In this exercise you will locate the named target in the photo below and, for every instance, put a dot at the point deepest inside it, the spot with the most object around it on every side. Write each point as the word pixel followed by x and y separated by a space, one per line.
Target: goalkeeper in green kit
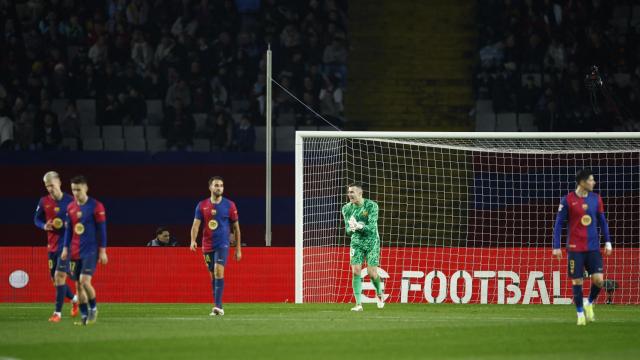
pixel 361 221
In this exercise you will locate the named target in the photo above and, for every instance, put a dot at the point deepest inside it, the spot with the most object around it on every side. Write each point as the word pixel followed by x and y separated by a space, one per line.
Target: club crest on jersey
pixel 214 212
pixel 56 209
pixel 585 207
pixel 57 223
pixel 213 224
pixel 78 229
pixel 79 214
pixel 365 213
pixel 586 220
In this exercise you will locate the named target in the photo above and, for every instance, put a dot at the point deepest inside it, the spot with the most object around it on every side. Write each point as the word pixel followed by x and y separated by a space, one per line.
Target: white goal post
pixel 464 217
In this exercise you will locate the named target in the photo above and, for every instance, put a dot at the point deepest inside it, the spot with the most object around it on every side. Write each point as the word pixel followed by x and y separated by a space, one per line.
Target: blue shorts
pixel 217 256
pixel 54 259
pixel 83 266
pixel 583 264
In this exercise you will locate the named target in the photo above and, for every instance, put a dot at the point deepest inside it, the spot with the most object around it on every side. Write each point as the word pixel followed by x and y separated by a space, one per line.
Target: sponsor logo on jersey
pixel 57 223
pixel 213 224
pixel 78 229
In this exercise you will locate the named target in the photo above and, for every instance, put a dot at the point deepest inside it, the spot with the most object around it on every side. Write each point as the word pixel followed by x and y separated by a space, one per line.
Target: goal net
pixel 463 217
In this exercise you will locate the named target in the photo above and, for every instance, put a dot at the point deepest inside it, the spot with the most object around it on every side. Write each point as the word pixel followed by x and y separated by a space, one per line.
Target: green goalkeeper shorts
pixel 358 254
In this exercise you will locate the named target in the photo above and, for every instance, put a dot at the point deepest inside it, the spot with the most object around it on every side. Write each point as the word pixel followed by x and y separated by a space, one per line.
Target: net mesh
pixel 466 220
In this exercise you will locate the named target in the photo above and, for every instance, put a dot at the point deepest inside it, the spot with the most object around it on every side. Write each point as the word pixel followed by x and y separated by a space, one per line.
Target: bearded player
pixel 219 216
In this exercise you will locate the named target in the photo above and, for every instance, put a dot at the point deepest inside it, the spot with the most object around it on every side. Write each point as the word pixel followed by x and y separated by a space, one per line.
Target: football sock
pixel 217 292
pixel 577 297
pixel 593 294
pixel 59 297
pixel 377 284
pixel 357 288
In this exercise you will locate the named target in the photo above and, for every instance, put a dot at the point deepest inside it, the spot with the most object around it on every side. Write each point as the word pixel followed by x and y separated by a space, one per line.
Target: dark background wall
pixel 142 191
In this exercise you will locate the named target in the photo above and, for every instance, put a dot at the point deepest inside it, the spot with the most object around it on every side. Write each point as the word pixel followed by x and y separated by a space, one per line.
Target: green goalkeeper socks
pixel 357 288
pixel 377 284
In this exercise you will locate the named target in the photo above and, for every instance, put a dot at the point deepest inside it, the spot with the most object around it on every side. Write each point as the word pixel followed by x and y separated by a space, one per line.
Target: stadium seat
pixel 506 122
pixel 485 122
pixel 239 106
pixel 286 119
pixel 135 144
pixel 155 113
pixel 87 111
pixel 90 131
pixel 153 132
pixel 326 128
pixel 622 79
pixel 201 122
pixel 113 144
pixel 70 144
pixel 112 132
pixel 201 145
pixel 58 106
pixel 285 138
pixel 484 106
pixel 157 144
pixel 537 78
pixel 307 128
pixel 261 141
pixel 526 122
pixel 92 144
pixel 133 132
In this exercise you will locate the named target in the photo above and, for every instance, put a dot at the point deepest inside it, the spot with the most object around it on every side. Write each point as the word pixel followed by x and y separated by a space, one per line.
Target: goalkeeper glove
pixel 355 225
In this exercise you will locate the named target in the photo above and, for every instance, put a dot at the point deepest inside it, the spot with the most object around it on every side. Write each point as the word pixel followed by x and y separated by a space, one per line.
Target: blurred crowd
pixel 534 57
pixel 197 56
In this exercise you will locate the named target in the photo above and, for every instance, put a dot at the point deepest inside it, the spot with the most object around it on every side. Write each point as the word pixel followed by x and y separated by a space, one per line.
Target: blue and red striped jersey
pixel 585 215
pixel 217 220
pixel 84 224
pixel 50 209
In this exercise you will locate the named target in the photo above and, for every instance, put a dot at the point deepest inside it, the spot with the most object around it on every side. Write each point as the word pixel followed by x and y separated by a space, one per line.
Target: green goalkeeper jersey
pixel 367 214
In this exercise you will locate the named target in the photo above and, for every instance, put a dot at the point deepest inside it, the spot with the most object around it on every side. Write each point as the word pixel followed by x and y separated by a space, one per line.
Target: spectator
pixel 178 91
pixel 529 95
pixel 138 12
pixel 98 53
pixel 331 100
pixel 24 131
pixel 49 136
pixel 111 112
pixel 163 238
pixel 134 108
pixel 164 51
pixel 141 52
pixel 70 125
pixel 245 135
pixel 179 127
pixel 219 129
pixel 6 133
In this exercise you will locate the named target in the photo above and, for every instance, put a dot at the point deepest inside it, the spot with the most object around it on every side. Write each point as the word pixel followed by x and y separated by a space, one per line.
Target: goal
pixel 464 217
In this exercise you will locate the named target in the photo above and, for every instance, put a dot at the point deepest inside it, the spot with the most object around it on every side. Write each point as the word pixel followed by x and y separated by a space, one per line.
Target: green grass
pixel 286 331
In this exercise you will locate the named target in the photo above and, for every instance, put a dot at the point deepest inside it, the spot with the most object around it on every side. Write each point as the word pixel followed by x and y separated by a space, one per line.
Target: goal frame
pixel 299 166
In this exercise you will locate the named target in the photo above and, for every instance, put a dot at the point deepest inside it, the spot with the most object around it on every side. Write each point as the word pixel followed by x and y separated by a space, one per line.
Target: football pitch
pixel 321 331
